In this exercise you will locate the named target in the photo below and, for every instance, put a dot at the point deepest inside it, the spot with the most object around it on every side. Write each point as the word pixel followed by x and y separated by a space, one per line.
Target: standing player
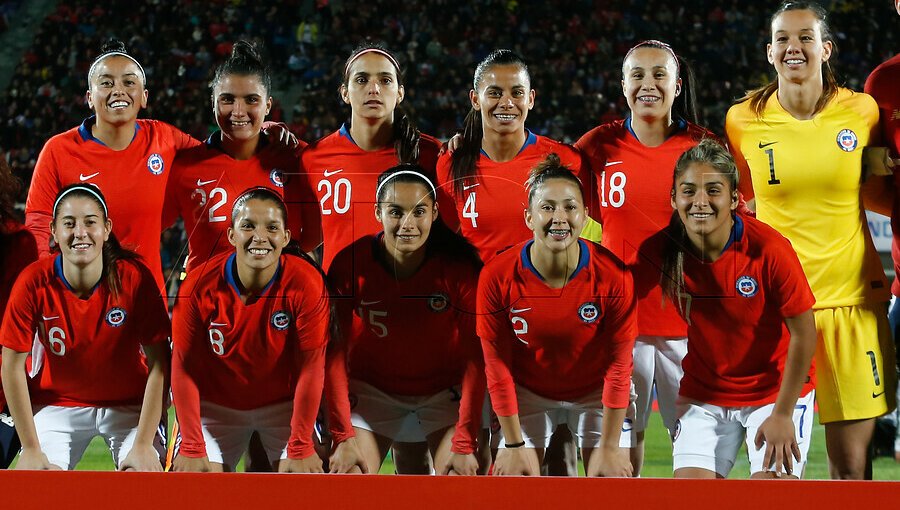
pixel 206 179
pixel 752 334
pixel 17 250
pixel 343 169
pixel 626 162
pixel 101 352
pixel 882 85
pixel 799 141
pixel 556 318
pixel 249 335
pixel 414 276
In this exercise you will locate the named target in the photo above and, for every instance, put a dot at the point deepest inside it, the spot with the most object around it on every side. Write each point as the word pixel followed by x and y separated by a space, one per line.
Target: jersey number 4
pixel 469 210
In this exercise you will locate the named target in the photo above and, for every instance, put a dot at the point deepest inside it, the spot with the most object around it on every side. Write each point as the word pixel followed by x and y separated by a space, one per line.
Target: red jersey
pixel 630 185
pixel 248 355
pixel 383 320
pixel 133 181
pixel 89 351
pixel 205 183
pixel 561 344
pixel 882 85
pixel 491 214
pixel 18 250
pixel 344 178
pixel 737 338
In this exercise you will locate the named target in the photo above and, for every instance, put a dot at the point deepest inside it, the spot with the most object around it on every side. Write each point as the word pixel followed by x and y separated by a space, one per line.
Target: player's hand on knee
pixel 34 459
pixel 777 435
pixel 309 464
pixel 610 461
pixel 142 457
pixel 346 457
pixel 516 462
pixel 191 464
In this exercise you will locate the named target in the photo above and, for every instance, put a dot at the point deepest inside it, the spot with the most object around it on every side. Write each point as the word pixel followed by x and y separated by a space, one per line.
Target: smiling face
pixel 240 104
pixel 372 89
pixel 504 98
pixel 407 211
pixel 650 82
pixel 797 51
pixel 116 91
pixel 704 200
pixel 80 228
pixel 556 214
pixel 258 234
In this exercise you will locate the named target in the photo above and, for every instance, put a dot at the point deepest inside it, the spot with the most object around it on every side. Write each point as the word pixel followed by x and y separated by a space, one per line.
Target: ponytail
pixel 113 253
pixel 686 103
pixel 672 278
pixel 465 157
pixel 406 138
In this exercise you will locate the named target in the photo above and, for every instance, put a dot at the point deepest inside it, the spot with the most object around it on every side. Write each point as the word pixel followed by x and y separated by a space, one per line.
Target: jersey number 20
pixel 337 194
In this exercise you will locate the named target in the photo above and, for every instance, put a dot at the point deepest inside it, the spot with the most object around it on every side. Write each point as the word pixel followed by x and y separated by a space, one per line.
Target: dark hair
pixel 116 46
pixel 760 96
pixel 112 251
pixel 10 186
pixel 707 152
pixel 245 60
pixel 259 193
pixel 685 104
pixel 441 239
pixel 550 168
pixel 465 157
pixel 406 135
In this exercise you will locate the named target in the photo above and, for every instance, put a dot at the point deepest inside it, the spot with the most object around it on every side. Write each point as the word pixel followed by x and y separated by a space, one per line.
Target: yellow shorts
pixel 855 363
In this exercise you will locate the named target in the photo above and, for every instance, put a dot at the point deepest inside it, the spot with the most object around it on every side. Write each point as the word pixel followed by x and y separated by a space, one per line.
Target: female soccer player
pixel 751 332
pixel 343 169
pixel 249 334
pixel 798 142
pixel 414 276
pixel 206 179
pixel 625 166
pixel 556 318
pixel 101 352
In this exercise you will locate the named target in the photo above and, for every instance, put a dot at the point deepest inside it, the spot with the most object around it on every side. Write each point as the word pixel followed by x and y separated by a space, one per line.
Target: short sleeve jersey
pixel 133 181
pixel 631 184
pixel 737 338
pixel 806 177
pixel 88 351
pixel 205 183
pixel 344 178
pixel 882 85
pixel 563 343
pixel 490 212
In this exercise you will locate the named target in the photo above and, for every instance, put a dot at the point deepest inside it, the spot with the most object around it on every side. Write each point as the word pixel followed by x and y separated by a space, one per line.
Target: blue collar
pixel 231 276
pixel 87 136
pixel 584 256
pixel 530 139
pixel 345 132
pixel 737 232
pixel 680 125
pixel 58 271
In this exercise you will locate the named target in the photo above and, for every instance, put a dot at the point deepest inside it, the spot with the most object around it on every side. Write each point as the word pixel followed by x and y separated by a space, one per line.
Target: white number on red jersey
pixel 56 337
pixel 338 194
pixel 616 195
pixel 520 327
pixel 469 209
pixel 376 326
pixel 217 341
pixel 218 205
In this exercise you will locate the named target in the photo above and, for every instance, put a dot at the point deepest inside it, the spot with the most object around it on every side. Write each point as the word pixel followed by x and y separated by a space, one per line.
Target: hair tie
pixel 80 188
pixel 371 50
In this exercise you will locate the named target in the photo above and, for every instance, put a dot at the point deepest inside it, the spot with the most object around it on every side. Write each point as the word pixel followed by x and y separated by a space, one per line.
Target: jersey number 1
pixel 772 179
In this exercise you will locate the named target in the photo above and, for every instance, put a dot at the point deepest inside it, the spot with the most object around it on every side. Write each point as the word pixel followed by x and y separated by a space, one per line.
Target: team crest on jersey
pixel 115 317
pixel 155 164
pixel 277 177
pixel 847 140
pixel 281 320
pixel 747 286
pixel 677 431
pixel 588 312
pixel 439 302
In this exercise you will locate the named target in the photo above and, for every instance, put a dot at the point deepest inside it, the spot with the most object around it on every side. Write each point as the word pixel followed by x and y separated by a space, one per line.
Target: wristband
pixel 515 445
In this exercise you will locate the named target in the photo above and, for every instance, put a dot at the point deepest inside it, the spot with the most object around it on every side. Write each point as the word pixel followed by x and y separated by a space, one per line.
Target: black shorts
pixel 9 440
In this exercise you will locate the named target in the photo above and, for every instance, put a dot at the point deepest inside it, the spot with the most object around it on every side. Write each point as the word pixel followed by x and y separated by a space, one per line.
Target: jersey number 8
pixel 217 341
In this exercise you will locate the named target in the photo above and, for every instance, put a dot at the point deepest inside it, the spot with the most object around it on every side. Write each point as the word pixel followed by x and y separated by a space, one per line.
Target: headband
pixel 117 54
pixel 80 188
pixel 407 172
pixel 371 50
pixel 654 43
pixel 243 197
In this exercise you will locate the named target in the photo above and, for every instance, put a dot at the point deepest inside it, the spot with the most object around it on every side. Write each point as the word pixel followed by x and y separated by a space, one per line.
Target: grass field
pixel 657 463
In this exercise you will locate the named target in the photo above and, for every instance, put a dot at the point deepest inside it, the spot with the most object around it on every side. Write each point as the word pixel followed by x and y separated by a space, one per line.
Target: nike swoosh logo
pixel 611 163
pixel 367 303
pixel 49 318
pixel 876 395
pixel 764 145
pixel 218 324
pixel 329 173
pixel 204 183
pixel 83 177
pixel 471 186
pixel 519 310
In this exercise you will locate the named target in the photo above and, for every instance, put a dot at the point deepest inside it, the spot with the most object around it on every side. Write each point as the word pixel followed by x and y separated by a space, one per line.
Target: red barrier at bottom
pixel 164 491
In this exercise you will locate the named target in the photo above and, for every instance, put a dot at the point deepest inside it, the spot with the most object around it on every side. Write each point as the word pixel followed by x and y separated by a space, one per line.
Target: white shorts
pixel 657 359
pixel 406 419
pixel 539 417
pixel 66 432
pixel 709 436
pixel 227 431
